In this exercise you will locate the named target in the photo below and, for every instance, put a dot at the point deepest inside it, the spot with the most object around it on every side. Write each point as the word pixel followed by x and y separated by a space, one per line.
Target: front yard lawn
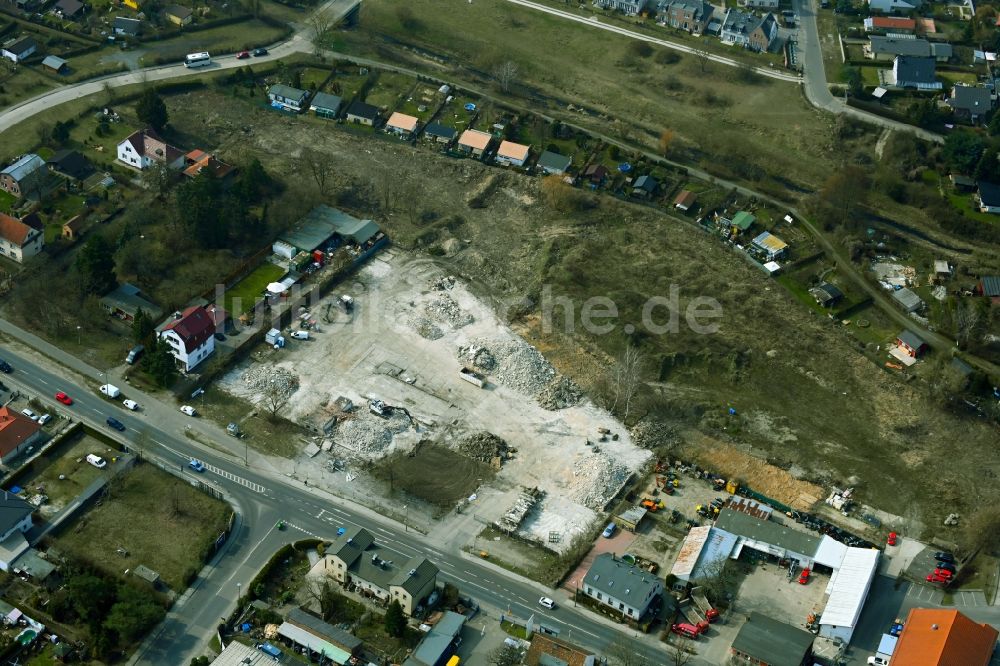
pixel 241 297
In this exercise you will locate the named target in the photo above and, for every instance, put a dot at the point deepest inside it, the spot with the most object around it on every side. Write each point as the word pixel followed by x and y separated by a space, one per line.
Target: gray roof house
pixel 55 63
pixel 359 112
pixel 914 72
pixel 129 27
pixel 440 133
pixel 15 513
pixel 126 301
pixel 644 186
pixel 69 9
pixel 287 97
pixel 553 163
pixel 19 48
pixel 627 7
pixel 623 587
pixel 325 105
pixel 312 626
pixel 757 33
pixel 908 300
pixel 888 47
pixel 893 6
pixel 24 176
pixel 972 103
pixel 763 640
pixel 826 294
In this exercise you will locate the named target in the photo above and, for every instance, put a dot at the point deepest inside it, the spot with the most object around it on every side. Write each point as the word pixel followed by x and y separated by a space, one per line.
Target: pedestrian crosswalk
pixel 256 487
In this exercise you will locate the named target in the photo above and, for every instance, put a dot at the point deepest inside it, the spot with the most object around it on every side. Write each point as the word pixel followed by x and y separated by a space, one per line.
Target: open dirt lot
pixel 64 472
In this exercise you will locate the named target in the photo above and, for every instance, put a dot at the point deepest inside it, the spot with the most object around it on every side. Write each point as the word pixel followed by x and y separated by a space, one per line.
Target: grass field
pixel 64 473
pixel 242 296
pixel 162 522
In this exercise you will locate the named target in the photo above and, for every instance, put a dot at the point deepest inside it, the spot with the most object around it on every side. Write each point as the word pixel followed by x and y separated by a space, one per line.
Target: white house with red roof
pixel 190 335
pixel 17 432
pixel 144 148
pixel 19 241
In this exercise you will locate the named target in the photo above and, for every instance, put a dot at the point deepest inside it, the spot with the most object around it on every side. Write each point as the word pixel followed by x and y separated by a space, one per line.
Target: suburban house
pixel 15 520
pixel 438 644
pixel 553 164
pixel 889 46
pixel 621 586
pixel 759 4
pixel 826 294
pixel 401 125
pixel 988 195
pixel 513 154
pixel 361 113
pixel 190 335
pixel 757 33
pixel 911 343
pixel 474 142
pixel 318 638
pixel 440 133
pixel 287 97
pixel 69 9
pixel 685 200
pixel 627 7
pixel 548 650
pixel 56 64
pixel 690 15
pixel 144 148
pixel 989 286
pixel 941 637
pixel 971 103
pixel 772 246
pixel 129 27
pixel 125 302
pixel 325 105
pixel 914 72
pixel 19 48
pixel 71 164
pixel 644 186
pixel 25 176
pixel 763 640
pixel 908 300
pixel 894 24
pixel 742 222
pixel 198 161
pixel 19 241
pixel 178 15
pixel 893 6
pixel 17 433
pixel 596 173
pixel 356 558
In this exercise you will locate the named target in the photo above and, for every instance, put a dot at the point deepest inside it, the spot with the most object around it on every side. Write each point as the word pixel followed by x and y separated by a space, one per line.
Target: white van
pixel 97 461
pixel 110 390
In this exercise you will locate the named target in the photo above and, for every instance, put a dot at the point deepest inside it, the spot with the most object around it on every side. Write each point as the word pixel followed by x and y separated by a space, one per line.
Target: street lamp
pixel 78 342
pixel 406 516
pixel 239 594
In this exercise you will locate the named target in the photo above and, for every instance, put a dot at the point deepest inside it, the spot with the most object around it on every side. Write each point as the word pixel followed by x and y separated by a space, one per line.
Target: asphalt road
pixel 262 498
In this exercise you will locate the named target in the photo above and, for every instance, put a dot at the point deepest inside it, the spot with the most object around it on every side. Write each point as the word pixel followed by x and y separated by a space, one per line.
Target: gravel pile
pixel 369 434
pixel 444 309
pixel 518 365
pixel 263 379
pixel 425 328
pixel 443 284
pixel 561 393
pixel 598 479
pixel 484 446
pixel 649 434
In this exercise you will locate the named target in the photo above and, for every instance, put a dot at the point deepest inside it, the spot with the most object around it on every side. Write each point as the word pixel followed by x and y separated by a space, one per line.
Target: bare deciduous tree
pixel 625 380
pixel 274 398
pixel 680 650
pixel 968 316
pixel 505 73
pixel 318 166
pixel 321 25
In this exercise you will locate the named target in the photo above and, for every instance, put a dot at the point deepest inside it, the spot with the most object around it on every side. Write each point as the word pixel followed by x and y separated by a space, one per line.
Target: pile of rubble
pixel 371 435
pixel 443 284
pixel 517 364
pixel 598 478
pixel 271 379
pixel 484 446
pixel 649 434
pixel 444 309
pixel 560 393
pixel 514 516
pixel 425 328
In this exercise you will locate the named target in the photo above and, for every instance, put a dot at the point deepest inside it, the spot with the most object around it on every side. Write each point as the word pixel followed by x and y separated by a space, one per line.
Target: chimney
pixel 934 627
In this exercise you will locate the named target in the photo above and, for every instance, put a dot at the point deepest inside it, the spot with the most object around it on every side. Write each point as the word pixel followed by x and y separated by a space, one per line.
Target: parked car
pixel 196 465
pixel 944 556
pixel 877 661
pixel 934 578
pixel 608 531
pixel 242 55
pixel 5 367
pixel 804 576
pixel 30 414
pixel 188 409
pixel 131 404
pixel 115 423
pixel 947 566
pixel 545 602
pixel 893 537
pixel 63 398
pixel 260 52
pixel 44 418
pixel 896 629
pixel 97 461
pixel 943 572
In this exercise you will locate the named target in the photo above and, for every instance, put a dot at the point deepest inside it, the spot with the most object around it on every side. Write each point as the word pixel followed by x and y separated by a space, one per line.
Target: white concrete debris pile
pixel 561 393
pixel 271 380
pixel 371 435
pixel 514 516
pixel 598 478
pixel 517 364
pixel 441 310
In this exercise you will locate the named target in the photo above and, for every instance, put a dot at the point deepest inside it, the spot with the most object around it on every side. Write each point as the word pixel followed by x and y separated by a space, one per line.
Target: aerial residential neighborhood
pixel 621 332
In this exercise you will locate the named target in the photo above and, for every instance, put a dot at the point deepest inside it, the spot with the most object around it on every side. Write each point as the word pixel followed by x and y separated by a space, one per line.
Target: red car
pixel 242 55
pixel 63 398
pixel 944 573
pixel 804 576
pixel 936 578
pixel 892 539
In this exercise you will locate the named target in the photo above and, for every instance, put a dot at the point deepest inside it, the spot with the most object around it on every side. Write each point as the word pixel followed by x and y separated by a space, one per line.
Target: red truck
pixel 701 603
pixel 689 630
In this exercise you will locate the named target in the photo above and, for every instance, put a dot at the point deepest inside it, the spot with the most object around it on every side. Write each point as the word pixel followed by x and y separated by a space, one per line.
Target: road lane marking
pixel 256 487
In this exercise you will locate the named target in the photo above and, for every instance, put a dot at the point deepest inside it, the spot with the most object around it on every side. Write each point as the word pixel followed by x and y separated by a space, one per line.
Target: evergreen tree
pixel 151 110
pixel 96 264
pixel 142 327
pixel 395 620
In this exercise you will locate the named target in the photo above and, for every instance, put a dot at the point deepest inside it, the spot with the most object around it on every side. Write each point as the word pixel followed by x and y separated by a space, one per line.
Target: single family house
pixel 988 195
pixel 893 6
pixel 325 105
pixel 69 9
pixel 914 72
pixel 361 113
pixel 894 24
pixel 513 154
pixel 553 164
pixel 440 133
pixel 19 48
pixel 474 142
pixel 287 97
pixel 971 103
pixel 25 177
pixel 198 161
pixel 763 640
pixel 144 148
pixel 402 125
pixel 127 27
pixel 17 432
pixel 942 637
pixel 178 15
pixel 622 587
pixel 71 164
pixel 19 241
pixel 191 336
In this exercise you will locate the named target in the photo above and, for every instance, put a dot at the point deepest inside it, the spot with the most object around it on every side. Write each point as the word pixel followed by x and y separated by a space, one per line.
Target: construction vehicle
pixel 346 303
pixel 732 486
pixel 689 630
pixel 379 408
pixel 699 600
pixel 650 505
pixel 233 430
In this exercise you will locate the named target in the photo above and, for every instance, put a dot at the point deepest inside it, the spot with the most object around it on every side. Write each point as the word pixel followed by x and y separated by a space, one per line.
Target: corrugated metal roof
pixel 691 549
pixel 830 552
pixel 849 587
pixel 767 532
pixel 25 166
pixel 314 643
